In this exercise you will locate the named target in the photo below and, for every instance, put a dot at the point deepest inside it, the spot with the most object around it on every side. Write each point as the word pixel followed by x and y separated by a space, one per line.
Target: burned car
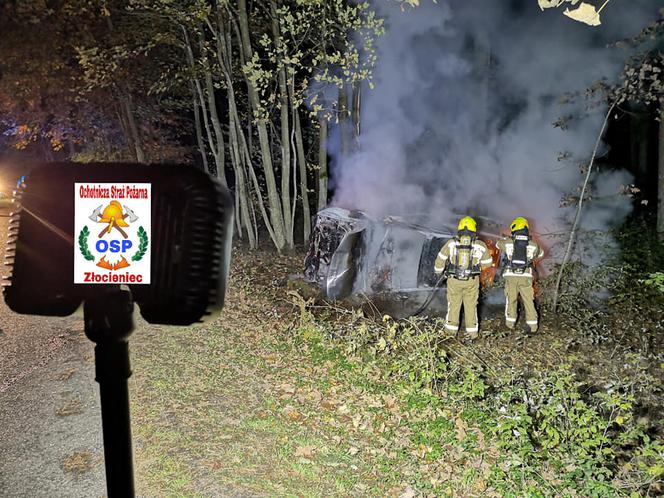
pixel 388 261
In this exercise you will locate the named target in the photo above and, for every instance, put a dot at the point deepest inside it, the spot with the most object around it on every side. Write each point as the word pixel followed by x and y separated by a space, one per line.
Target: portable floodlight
pixel 63 243
pixel 109 235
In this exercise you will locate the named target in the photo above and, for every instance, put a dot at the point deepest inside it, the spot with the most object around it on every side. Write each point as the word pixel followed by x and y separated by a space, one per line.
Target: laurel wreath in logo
pixel 83 244
pixel 142 244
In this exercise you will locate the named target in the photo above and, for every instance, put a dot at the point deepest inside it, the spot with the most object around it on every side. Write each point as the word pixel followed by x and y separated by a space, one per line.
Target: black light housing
pixel 190 241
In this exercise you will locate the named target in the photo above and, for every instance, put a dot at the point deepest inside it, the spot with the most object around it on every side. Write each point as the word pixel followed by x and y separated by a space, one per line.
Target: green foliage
pixel 142 245
pixel 470 385
pixel 656 280
pixel 553 435
pixel 640 247
pixel 626 287
pixel 83 244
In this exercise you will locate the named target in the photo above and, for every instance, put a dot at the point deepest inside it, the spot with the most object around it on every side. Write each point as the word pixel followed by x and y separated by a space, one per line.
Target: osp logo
pixel 120 251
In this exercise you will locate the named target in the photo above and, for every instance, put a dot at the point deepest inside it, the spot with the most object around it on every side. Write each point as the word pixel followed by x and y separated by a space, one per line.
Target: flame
pixel 123 263
pixel 488 275
pixel 104 264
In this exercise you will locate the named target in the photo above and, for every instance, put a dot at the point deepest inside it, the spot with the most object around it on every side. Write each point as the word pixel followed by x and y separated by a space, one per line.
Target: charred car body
pixel 389 261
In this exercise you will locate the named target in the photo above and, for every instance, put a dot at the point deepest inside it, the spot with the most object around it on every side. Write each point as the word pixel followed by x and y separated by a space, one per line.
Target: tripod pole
pixel 108 323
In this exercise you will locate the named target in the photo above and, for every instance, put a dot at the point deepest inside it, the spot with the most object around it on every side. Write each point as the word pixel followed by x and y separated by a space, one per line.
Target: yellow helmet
pixel 113 212
pixel 467 223
pixel 519 223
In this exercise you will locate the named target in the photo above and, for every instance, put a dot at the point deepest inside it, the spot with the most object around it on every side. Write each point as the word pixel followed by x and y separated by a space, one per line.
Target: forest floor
pixel 283 396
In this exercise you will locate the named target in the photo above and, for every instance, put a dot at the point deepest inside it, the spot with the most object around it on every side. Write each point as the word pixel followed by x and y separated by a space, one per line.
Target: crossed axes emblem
pixel 114 216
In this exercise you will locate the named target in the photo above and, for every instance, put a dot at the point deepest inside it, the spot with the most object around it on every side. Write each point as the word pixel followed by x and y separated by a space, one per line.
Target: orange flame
pixel 123 263
pixel 488 275
pixel 104 264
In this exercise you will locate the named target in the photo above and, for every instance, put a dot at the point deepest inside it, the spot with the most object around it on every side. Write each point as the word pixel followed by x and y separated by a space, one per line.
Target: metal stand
pixel 109 323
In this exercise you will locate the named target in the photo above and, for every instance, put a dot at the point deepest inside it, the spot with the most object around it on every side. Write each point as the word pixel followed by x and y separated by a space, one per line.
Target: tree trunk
pixel 220 156
pixel 243 158
pixel 124 127
pixel 276 214
pixel 224 54
pixel 660 176
pixel 199 129
pixel 285 128
pixel 304 192
pixel 241 185
pixel 345 122
pixel 322 163
pixel 201 98
pixel 355 112
pixel 128 106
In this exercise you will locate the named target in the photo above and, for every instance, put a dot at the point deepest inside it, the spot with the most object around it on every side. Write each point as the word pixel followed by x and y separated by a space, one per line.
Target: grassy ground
pixel 274 400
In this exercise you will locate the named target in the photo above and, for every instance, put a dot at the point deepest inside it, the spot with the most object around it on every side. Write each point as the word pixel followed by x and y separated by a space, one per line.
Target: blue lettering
pixel 113 246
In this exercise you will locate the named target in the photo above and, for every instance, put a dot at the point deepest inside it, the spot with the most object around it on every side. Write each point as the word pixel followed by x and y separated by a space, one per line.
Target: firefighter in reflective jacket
pixel 462 258
pixel 520 252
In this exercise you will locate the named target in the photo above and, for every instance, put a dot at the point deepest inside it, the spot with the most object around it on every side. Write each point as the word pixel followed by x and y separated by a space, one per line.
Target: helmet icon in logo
pixel 114 217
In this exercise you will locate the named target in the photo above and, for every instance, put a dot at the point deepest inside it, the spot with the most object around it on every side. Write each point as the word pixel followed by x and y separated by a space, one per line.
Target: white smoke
pixel 461 117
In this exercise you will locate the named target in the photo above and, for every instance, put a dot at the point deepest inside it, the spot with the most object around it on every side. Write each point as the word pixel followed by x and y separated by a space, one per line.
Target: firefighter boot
pixel 471 335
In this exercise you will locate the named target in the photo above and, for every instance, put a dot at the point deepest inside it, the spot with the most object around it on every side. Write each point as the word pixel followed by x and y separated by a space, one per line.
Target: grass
pixel 265 402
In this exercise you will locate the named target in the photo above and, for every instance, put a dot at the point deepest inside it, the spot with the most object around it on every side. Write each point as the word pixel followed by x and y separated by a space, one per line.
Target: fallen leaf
pixel 408 493
pixel 305 451
pixel 315 396
pixel 329 404
pixel 353 450
pixel 292 413
pixel 480 485
pixel 460 427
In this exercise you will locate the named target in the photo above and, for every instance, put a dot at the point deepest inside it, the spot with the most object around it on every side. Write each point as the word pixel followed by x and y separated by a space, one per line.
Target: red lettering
pixel 114 278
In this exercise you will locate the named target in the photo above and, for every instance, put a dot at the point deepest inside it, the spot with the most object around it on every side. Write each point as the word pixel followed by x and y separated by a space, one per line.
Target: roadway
pixel 50 426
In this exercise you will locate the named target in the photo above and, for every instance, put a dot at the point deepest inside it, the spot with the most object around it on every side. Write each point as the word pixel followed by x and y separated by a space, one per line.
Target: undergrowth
pixel 538 434
pixel 617 292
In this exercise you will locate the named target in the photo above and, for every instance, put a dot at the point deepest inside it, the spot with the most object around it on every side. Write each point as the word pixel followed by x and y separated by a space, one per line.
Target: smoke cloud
pixel 461 117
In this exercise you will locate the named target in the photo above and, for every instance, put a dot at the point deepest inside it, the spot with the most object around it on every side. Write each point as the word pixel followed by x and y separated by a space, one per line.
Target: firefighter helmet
pixel 113 212
pixel 467 223
pixel 519 223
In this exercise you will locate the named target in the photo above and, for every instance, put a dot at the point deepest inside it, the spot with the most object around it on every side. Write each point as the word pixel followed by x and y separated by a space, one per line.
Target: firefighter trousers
pixel 466 293
pixel 515 287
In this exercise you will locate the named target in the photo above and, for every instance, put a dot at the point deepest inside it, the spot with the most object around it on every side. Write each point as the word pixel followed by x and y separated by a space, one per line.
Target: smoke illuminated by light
pixel 461 118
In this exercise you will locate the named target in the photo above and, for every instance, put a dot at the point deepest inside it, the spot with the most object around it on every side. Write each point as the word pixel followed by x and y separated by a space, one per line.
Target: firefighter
pixel 462 258
pixel 520 252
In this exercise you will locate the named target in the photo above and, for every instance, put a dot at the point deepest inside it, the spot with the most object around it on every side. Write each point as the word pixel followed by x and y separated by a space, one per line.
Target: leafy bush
pixel 625 284
pixel 586 442
pixel 656 280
